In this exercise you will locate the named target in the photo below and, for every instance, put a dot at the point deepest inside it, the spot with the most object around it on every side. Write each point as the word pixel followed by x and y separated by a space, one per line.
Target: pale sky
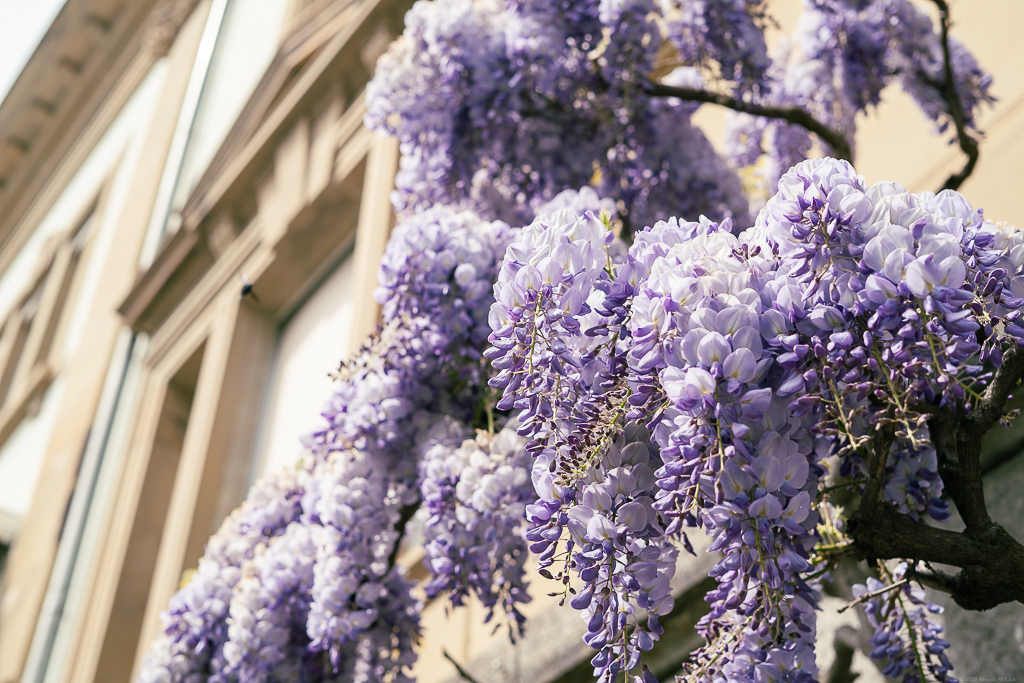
pixel 22 25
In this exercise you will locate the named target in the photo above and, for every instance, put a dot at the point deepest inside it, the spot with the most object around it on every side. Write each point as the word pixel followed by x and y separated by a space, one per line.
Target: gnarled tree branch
pixel 991 561
pixel 959 458
pixel 968 145
pixel 795 115
pixel 989 410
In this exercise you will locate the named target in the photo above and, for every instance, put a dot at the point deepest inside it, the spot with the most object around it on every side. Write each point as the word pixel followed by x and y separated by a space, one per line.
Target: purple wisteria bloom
pixel 760 363
pixel 906 639
pixel 635 363
pixel 475 490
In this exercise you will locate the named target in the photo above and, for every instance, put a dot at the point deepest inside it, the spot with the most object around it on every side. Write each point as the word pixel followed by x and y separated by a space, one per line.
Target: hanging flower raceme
pixel 475 489
pixel 301 582
pixel 269 601
pixel 545 289
pixel 195 623
pixel 618 549
pixel 906 638
pixel 435 280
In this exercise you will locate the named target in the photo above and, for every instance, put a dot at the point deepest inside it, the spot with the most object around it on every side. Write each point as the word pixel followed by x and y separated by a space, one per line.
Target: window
pixel 136 576
pixel 311 344
pixel 29 335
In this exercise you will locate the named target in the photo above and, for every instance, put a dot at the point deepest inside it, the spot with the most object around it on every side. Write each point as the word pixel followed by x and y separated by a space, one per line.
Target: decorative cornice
pixel 63 98
pixel 163 25
pixel 320 58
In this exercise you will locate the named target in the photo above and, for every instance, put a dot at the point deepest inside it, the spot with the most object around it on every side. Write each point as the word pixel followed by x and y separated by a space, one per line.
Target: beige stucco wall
pixel 83 372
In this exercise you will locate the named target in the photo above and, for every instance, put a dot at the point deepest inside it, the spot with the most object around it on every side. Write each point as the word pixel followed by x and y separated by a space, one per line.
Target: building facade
pixel 158 158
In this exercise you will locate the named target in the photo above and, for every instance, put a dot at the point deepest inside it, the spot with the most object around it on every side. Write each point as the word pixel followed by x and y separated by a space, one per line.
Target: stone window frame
pixel 32 333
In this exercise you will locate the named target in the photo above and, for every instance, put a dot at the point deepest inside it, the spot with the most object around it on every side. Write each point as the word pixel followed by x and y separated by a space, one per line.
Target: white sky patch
pixel 23 23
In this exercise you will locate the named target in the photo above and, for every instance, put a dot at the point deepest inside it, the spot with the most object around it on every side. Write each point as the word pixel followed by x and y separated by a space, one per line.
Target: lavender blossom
pixel 906 638
pixel 475 491
pixel 485 98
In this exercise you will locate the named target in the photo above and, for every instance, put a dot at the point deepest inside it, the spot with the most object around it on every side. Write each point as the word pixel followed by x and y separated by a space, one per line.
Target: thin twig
pixel 795 115
pixel 404 515
pixel 833 560
pixel 462 672
pixel 935 579
pixel 874 594
pixel 848 484
pixel 968 145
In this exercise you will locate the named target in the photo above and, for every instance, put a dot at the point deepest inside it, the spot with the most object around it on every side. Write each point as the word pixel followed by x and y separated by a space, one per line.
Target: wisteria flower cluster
pixel 907 639
pixel 763 364
pixel 439 260
pixel 500 106
pixel 592 387
pixel 196 619
pixel 624 396
pixel 301 583
pixel 614 544
pixel 475 490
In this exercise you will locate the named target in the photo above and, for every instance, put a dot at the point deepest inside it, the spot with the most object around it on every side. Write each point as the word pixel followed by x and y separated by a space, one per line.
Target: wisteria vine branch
pixel 836 141
pixel 458 667
pixel 405 515
pixel 991 561
pixel 967 143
